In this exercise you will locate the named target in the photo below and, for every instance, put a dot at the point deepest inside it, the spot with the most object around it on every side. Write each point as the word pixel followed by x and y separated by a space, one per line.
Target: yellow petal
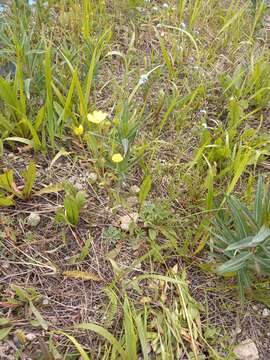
pixel 78 130
pixel 117 158
pixel 97 116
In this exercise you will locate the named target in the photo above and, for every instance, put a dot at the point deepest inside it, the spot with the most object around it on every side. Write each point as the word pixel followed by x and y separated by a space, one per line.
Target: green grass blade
pixel 78 346
pixel 49 99
pixel 130 333
pixel 105 334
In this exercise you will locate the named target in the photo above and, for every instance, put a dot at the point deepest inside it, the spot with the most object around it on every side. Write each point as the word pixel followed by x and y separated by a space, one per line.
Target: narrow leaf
pixel 234 264
pixel 82 275
pixel 6 201
pixel 29 178
pixel 43 323
pixel 145 189
pixel 54 188
pixel 78 346
pixel 4 333
pixel 105 334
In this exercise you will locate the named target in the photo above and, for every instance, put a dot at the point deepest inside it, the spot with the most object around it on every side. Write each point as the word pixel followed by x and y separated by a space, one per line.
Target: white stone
pixel 265 313
pixel 33 219
pixel 134 189
pixel 93 177
pixel 246 350
pixel 126 220
pixel 30 336
pixel 132 201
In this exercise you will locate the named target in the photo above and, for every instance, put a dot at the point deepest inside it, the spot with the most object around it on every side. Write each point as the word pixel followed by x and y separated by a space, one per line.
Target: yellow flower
pixel 97 116
pixel 116 121
pixel 78 131
pixel 117 158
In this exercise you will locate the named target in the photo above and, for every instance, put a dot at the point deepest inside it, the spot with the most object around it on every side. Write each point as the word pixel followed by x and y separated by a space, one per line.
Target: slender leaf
pixel 145 189
pixel 235 264
pixel 105 334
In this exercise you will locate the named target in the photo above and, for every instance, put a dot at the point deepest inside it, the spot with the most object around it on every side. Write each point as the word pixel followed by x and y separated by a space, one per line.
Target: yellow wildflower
pixel 78 131
pixel 116 121
pixel 97 116
pixel 117 158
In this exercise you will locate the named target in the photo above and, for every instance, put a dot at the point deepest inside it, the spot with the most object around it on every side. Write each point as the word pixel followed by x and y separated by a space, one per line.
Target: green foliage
pixel 145 189
pixel 29 296
pixel 74 201
pixel 7 183
pixel 243 238
pixel 9 190
pixel 155 213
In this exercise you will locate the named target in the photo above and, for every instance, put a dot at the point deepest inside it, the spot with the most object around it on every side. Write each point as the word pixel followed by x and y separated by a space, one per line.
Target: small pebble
pixel 92 177
pixel 126 220
pixel 134 189
pixel 246 350
pixel 45 301
pixel 33 219
pixel 30 336
pixel 265 313
pixel 132 201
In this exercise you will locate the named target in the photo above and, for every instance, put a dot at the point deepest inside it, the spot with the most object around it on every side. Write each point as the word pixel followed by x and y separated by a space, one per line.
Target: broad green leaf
pixel 105 334
pixel 145 189
pixel 235 263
